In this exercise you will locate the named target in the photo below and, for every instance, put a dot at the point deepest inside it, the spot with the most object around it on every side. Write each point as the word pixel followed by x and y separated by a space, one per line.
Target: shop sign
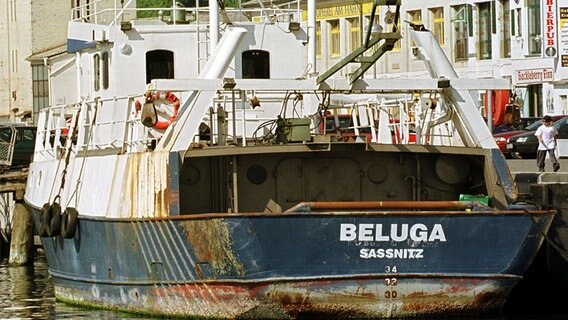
pixel 550 28
pixel 534 75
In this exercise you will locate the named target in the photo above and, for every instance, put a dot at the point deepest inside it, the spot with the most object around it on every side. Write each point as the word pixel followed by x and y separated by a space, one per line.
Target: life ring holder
pixel 168 98
pixel 69 220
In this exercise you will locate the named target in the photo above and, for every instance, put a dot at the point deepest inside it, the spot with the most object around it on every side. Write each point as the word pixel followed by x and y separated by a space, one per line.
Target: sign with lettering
pixel 563 36
pixel 562 45
pixel 550 28
pixel 341 11
pixel 389 234
pixel 533 75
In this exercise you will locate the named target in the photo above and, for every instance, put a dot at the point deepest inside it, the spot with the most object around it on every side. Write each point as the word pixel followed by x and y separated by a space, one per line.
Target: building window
pixel 534 25
pixel 534 100
pixel 318 39
pixel 12 10
pixel 14 60
pixel 82 9
pixel 375 27
pixel 437 15
pixel 334 35
pixel 97 72
pixel 389 20
pixel 415 17
pixel 354 33
pixel 40 88
pixel 484 32
pixel 516 22
pixel 505 31
pixel 460 22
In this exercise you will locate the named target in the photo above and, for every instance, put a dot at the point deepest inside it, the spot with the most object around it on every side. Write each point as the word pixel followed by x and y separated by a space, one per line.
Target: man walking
pixel 546 135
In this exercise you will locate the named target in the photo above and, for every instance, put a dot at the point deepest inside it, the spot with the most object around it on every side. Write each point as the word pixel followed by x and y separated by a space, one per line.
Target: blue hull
pixel 379 264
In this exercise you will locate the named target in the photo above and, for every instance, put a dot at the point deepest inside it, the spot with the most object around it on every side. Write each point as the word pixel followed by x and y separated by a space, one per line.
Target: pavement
pixel 529 165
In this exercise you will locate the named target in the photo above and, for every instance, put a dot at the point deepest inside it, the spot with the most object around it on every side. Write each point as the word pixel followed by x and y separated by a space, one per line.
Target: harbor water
pixel 27 293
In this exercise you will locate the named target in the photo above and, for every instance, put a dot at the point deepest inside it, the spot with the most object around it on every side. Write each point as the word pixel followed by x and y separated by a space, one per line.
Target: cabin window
pixel 105 66
pixel 159 65
pixel 97 72
pixel 256 64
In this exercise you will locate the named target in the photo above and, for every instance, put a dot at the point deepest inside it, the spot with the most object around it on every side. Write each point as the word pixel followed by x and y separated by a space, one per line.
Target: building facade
pixel 522 40
pixel 28 27
pixel 34 34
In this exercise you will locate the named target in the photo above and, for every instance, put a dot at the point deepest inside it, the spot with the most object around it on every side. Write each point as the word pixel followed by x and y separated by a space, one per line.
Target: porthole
pixel 256 174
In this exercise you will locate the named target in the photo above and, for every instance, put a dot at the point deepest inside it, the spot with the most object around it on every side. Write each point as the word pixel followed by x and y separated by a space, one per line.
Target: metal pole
pixel 235 186
pixel 312 34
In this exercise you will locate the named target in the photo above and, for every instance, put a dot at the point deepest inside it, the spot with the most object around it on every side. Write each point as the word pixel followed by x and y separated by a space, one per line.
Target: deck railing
pixel 112 13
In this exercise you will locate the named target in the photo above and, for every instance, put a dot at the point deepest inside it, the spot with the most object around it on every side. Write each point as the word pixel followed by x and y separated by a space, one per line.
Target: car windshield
pixel 560 122
pixel 533 126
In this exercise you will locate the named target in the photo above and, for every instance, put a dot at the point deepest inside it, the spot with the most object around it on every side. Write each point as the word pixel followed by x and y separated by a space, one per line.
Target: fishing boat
pixel 175 185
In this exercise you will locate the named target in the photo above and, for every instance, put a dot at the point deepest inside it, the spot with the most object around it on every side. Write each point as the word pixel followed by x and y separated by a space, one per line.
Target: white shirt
pixel 547 133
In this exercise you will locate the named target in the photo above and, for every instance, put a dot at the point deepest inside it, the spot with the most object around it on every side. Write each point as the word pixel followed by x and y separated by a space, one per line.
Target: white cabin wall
pixel 62 71
pixel 284 49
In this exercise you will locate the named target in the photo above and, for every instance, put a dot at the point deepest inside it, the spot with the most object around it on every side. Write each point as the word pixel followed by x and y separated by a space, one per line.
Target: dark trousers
pixel 541 156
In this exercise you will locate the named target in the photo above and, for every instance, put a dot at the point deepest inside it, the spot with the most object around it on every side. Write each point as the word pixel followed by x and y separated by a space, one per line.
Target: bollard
pixel 21 244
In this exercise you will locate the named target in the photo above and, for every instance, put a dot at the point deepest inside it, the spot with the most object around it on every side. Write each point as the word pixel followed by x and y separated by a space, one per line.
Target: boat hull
pixel 300 264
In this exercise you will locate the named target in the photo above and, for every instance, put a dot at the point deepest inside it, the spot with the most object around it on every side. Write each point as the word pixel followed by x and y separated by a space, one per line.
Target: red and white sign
pixel 550 31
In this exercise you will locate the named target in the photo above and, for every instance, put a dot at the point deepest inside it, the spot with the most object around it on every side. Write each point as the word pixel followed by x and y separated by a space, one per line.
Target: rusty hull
pixel 294 265
pixel 339 298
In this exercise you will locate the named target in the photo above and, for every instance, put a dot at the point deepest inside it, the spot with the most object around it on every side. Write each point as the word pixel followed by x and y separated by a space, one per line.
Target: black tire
pixel 44 219
pixel 54 225
pixel 69 223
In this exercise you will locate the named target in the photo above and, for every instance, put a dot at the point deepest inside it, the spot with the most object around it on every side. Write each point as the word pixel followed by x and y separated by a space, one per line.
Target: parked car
pixel 527 121
pixel 525 144
pixel 532 123
pixel 17 142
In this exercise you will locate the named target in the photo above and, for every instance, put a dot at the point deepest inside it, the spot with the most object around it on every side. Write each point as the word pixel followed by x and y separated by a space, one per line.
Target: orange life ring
pixel 169 98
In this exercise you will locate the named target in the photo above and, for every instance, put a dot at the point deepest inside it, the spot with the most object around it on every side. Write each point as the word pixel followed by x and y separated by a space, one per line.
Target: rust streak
pixel 211 242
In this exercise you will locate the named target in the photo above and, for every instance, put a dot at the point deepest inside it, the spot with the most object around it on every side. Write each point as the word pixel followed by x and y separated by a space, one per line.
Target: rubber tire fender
pixel 54 226
pixel 44 219
pixel 69 223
